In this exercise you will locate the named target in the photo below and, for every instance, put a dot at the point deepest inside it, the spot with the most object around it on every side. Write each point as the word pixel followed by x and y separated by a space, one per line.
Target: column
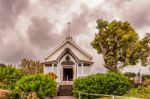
pixel 77 64
pixel 52 67
pixel 77 70
pixel 82 68
pixel 59 71
pixel 44 69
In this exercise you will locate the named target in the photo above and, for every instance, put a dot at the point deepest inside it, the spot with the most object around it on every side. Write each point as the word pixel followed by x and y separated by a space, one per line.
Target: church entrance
pixel 68 74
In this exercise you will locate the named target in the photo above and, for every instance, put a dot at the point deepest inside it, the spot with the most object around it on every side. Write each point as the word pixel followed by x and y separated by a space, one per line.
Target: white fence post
pixel 113 97
pixel 79 95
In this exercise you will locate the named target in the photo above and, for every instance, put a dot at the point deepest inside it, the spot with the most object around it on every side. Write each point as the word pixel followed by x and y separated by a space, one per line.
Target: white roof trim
pixel 60 45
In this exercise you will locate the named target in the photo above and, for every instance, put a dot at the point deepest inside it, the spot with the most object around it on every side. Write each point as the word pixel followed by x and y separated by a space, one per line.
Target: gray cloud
pixel 58 3
pixel 15 49
pixel 10 10
pixel 80 22
pixel 138 14
pixel 135 12
pixel 41 33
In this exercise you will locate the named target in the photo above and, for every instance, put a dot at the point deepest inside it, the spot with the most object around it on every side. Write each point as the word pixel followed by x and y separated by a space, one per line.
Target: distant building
pixel 68 61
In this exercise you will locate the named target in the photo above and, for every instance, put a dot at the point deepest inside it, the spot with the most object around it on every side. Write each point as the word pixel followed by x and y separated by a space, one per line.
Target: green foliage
pixel 130 74
pixel 143 50
pixel 109 83
pixel 9 75
pixel 31 67
pixel 140 92
pixel 147 76
pixel 42 84
pixel 117 41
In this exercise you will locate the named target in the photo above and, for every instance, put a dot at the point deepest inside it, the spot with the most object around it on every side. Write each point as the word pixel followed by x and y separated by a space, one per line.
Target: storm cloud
pixel 28 28
pixel 10 10
pixel 41 33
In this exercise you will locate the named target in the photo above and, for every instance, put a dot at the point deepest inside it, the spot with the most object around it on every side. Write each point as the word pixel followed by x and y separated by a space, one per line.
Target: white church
pixel 68 61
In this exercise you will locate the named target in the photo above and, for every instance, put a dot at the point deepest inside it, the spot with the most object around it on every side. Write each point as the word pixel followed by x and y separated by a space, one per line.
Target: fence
pixel 104 95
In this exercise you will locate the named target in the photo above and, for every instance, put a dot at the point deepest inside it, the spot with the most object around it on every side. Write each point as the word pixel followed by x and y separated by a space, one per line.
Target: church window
pixel 79 64
pixel 86 64
pixel 48 64
pixel 55 65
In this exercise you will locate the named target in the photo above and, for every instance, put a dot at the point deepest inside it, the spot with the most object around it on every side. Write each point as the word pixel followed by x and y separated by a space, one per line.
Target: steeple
pixel 69 36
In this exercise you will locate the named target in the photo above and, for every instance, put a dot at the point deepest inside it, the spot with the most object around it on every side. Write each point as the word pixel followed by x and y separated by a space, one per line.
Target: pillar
pixel 82 69
pixel 52 67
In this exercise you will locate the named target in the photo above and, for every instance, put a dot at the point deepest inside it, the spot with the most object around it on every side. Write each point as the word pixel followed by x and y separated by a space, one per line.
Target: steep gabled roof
pixel 67 50
pixel 64 43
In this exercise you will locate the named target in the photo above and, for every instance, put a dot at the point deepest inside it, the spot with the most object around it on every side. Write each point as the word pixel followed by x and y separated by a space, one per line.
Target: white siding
pixel 55 69
pixel 79 71
pixel 86 70
pixel 47 69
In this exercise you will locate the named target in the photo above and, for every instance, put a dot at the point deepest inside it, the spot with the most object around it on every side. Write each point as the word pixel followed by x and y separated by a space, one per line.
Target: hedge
pixel 42 85
pixel 109 83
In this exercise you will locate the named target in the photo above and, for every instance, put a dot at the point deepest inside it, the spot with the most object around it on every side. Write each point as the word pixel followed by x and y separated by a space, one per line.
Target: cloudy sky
pixel 28 28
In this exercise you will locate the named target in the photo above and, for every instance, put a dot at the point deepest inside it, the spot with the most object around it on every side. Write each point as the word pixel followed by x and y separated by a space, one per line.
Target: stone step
pixel 64 97
pixel 65 90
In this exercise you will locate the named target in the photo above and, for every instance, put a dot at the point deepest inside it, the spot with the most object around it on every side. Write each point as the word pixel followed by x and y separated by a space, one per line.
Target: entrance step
pixel 64 97
pixel 65 90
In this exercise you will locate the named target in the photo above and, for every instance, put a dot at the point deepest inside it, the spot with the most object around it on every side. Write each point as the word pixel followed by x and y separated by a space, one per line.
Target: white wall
pixel 47 69
pixel 79 71
pixel 86 70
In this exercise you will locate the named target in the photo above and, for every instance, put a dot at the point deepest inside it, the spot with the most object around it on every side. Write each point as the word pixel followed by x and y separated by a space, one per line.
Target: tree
pixel 118 42
pixel 144 49
pixel 31 67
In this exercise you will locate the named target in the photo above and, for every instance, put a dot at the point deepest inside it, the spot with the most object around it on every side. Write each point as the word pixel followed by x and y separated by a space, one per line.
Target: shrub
pixel 52 75
pixel 9 75
pixel 130 74
pixel 41 84
pixel 147 76
pixel 140 92
pixel 109 83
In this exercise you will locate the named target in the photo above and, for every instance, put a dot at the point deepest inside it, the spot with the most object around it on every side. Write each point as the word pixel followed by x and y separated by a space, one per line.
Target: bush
pixel 52 75
pixel 41 84
pixel 140 92
pixel 147 76
pixel 130 74
pixel 109 83
pixel 9 75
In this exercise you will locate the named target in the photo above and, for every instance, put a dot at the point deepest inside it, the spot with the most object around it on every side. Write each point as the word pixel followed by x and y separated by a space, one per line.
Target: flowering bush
pixel 52 75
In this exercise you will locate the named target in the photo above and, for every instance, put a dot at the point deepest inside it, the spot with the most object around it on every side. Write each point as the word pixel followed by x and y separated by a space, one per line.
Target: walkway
pixel 64 97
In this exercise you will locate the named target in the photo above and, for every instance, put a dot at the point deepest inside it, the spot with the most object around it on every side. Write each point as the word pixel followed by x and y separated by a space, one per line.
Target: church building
pixel 68 61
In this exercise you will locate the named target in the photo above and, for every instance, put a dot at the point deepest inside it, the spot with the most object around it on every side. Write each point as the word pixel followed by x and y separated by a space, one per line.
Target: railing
pixel 104 95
